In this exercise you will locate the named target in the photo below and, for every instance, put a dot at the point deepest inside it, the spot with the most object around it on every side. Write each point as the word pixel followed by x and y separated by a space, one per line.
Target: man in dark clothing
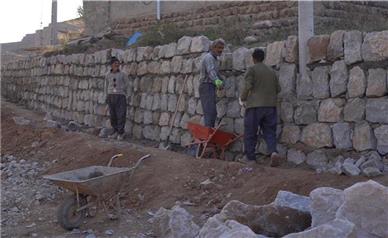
pixel 115 88
pixel 210 80
pixel 259 96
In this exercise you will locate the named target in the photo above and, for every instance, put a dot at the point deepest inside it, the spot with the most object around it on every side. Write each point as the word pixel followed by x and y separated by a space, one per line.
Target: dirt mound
pixel 164 179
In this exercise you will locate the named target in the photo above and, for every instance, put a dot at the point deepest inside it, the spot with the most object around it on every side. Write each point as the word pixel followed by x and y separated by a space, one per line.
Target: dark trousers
pixel 266 118
pixel 207 95
pixel 118 111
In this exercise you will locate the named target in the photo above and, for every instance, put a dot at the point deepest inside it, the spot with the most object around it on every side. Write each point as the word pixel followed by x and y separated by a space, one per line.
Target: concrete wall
pixel 340 106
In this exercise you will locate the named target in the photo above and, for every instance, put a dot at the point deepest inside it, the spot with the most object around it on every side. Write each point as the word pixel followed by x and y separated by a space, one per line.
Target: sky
pixel 21 17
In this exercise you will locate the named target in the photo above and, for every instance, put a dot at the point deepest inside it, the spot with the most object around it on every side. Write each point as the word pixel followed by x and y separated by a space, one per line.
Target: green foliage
pixel 80 11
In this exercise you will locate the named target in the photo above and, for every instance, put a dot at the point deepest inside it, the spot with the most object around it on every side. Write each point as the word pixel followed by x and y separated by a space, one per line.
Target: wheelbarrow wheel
pixel 67 215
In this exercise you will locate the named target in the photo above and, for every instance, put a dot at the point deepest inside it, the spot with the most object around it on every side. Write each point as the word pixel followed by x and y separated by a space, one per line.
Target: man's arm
pixel 210 68
pixel 247 84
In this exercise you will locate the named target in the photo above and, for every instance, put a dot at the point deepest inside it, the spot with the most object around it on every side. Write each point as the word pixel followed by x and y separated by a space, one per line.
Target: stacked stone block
pixel 341 103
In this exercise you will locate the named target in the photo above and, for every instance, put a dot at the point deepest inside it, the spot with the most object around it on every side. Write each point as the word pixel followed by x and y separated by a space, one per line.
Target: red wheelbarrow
pixel 211 140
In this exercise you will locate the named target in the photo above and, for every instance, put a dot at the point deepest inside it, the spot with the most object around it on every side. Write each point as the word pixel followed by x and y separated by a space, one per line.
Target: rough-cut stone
pixel 238 58
pixel 176 64
pixel 286 112
pixel 330 110
pixel 233 109
pixel 292 200
pixel 164 119
pixel 373 160
pixel 337 228
pixel 147 117
pixel 335 50
pixel 363 137
pixel 304 86
pixel 356 83
pixel 215 228
pixel 324 205
pixel 317 46
pixel 290 134
pixel 199 44
pixel 352 47
pixel 172 99
pixel 320 79
pixel 191 105
pixel 269 220
pixel 305 113
pixel 176 222
pixel 374 47
pixel 381 134
pixel 377 85
pixel 290 52
pixel 377 110
pixel 358 209
pixel 354 110
pixel 274 53
pixel 296 156
pixel 338 78
pixel 317 135
pixel 165 67
pixel 350 169
pixel 342 134
pixel 183 46
pixel 371 172
pixel 287 74
pixel 317 159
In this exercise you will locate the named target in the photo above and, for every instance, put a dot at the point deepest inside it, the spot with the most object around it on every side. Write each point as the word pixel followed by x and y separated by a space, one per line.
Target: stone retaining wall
pixel 341 105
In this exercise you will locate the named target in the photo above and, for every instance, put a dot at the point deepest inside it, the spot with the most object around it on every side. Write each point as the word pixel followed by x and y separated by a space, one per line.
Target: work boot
pixel 275 159
pixel 113 135
pixel 120 137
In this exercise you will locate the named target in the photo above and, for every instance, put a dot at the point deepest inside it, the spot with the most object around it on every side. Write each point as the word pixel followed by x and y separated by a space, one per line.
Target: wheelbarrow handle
pixel 113 157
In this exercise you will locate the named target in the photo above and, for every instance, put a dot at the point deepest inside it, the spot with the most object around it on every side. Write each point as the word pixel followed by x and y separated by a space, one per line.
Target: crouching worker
pixel 115 90
pixel 259 96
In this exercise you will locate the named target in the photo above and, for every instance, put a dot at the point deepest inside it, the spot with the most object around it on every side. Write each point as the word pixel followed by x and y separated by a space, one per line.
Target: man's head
pixel 258 55
pixel 115 64
pixel 217 47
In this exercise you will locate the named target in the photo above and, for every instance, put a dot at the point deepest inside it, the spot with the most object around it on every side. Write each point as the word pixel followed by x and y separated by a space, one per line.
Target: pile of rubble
pixel 327 212
pixel 22 188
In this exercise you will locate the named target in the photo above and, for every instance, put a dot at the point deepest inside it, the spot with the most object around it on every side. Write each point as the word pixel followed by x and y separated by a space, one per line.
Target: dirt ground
pixel 164 179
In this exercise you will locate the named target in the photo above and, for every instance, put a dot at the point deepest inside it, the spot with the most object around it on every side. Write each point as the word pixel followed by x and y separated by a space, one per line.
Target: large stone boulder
pixel 317 160
pixel 335 50
pixel 338 78
pixel 287 74
pixel 320 79
pixel 337 228
pixel 183 46
pixel 199 44
pixel 273 54
pixel 374 47
pixel 174 223
pixel 296 156
pixel 290 134
pixel 317 46
pixel 377 110
pixel 377 85
pixel 304 86
pixel 342 135
pixel 216 228
pixel 324 205
pixel 269 220
pixel 352 47
pixel 305 113
pixel 290 52
pixel 356 83
pixel 381 134
pixel 238 58
pixel 363 137
pixel 354 110
pixel 317 135
pixel 292 200
pixel 330 110
pixel 366 205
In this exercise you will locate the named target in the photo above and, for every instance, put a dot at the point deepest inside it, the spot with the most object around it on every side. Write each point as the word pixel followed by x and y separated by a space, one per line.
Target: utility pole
pixel 53 39
pixel 305 31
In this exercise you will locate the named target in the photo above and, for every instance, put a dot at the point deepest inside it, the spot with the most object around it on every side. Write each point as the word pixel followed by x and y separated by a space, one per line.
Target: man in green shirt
pixel 259 96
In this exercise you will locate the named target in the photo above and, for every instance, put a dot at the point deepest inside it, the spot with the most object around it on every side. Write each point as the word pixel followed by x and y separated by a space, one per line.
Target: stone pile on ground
pixel 327 212
pixel 22 188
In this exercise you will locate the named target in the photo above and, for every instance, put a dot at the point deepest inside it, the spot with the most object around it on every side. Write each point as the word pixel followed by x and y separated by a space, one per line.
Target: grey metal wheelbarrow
pixel 91 186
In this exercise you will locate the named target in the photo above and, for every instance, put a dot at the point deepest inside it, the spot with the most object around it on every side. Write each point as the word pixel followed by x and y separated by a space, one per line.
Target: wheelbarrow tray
pixel 214 136
pixel 92 180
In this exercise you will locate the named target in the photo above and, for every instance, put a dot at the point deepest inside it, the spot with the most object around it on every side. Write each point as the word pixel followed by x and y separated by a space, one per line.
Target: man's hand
pixel 241 102
pixel 219 83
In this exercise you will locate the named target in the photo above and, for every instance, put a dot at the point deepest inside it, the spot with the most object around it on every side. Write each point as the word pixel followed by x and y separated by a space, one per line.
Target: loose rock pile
pixel 22 188
pixel 327 212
